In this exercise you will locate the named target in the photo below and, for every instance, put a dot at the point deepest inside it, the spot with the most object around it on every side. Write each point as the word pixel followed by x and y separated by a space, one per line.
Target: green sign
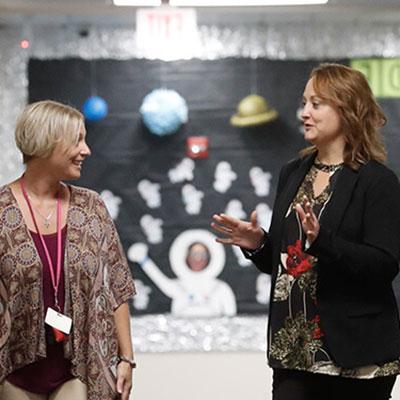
pixel 383 75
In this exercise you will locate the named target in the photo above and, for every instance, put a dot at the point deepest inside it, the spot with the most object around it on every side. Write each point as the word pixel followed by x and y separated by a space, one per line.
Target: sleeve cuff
pixel 322 245
pixel 251 253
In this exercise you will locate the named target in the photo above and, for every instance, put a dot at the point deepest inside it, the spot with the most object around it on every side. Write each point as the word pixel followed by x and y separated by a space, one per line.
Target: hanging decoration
pixel 164 111
pixel 253 110
pixel 95 108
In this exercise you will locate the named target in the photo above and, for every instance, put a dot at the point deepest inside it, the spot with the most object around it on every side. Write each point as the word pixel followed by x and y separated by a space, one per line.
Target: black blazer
pixel 358 249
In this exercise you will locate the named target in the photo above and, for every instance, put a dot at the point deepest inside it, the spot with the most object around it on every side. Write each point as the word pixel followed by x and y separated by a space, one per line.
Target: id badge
pixel 58 321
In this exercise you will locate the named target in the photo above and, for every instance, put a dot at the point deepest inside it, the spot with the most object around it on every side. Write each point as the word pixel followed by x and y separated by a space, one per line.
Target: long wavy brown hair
pixel 348 91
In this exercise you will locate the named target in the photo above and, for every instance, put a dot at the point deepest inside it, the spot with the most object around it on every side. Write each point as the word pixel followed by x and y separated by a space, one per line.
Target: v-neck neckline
pixel 306 188
pixel 311 181
pixel 28 231
pixel 15 202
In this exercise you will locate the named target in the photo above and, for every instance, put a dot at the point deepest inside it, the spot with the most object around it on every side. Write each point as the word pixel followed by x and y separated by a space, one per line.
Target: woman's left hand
pixel 308 219
pixel 124 379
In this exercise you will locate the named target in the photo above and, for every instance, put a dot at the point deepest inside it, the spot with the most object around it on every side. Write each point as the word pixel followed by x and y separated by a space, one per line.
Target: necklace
pixel 55 271
pixel 327 167
pixel 45 219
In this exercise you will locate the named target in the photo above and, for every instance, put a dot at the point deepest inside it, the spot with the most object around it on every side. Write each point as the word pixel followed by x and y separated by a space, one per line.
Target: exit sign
pixel 166 32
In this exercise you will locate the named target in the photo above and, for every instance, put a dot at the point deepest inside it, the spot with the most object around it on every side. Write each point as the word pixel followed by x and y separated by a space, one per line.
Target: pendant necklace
pixel 45 219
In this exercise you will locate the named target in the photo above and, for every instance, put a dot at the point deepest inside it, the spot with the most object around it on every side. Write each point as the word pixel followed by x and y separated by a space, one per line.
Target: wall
pixel 174 375
pixel 305 40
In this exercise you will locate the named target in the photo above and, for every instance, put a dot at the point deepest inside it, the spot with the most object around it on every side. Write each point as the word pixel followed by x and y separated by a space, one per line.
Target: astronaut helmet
pixel 195 254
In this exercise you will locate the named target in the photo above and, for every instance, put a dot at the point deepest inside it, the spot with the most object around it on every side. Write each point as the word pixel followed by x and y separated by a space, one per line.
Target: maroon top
pixel 47 374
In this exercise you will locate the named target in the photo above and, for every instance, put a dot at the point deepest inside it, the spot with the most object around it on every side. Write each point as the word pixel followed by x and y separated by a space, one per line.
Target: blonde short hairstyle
pixel 43 124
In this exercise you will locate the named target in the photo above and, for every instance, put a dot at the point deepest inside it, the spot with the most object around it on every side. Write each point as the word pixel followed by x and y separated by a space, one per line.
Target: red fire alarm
pixel 197 146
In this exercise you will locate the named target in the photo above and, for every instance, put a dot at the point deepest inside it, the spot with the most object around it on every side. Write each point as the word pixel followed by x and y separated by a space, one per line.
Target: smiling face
pixel 66 159
pixel 198 257
pixel 322 122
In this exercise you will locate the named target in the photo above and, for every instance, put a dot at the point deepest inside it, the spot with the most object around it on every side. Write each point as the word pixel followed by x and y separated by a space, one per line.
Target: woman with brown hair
pixel 64 279
pixel 332 250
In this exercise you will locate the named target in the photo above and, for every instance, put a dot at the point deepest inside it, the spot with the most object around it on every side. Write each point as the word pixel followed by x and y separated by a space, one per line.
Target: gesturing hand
pixel 248 235
pixel 309 221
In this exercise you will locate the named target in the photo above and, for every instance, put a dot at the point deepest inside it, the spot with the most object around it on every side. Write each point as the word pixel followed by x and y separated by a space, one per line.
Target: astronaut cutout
pixel 112 203
pixel 197 260
pixel 150 193
pixel 263 288
pixel 260 180
pixel 183 171
pixel 224 176
pixel 235 209
pixel 142 298
pixel 152 228
pixel 192 199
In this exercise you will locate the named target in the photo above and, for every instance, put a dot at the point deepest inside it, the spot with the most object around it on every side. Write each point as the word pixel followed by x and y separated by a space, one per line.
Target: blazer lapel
pixel 291 187
pixel 341 196
pixel 333 214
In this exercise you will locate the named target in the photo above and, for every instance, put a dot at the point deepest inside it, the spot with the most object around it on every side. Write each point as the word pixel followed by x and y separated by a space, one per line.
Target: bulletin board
pixel 161 199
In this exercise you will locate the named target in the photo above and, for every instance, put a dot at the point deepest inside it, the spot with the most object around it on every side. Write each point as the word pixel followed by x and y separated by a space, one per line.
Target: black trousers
pixel 298 385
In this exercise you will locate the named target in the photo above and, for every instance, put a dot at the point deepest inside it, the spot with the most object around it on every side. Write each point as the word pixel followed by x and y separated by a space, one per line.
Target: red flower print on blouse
pixel 317 332
pixel 297 261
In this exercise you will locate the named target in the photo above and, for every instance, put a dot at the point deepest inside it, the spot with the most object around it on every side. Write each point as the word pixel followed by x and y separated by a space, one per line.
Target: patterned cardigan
pixel 97 281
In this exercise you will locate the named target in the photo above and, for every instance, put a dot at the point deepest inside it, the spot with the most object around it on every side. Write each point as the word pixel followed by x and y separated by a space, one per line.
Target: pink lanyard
pixel 55 280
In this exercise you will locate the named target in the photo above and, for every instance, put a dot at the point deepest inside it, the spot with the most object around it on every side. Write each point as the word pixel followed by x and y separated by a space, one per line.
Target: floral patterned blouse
pixel 296 338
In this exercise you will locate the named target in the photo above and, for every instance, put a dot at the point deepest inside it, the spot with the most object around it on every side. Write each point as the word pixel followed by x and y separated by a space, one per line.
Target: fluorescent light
pixel 218 3
pixel 243 3
pixel 138 3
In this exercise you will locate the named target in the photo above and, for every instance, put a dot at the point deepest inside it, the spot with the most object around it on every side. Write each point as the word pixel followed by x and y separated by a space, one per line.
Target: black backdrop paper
pixel 124 152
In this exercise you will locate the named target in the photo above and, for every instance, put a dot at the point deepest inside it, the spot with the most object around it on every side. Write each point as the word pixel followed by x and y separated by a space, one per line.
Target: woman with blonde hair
pixel 332 250
pixel 64 279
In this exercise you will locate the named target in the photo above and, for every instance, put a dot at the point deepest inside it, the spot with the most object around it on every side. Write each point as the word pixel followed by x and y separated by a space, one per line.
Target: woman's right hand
pixel 248 235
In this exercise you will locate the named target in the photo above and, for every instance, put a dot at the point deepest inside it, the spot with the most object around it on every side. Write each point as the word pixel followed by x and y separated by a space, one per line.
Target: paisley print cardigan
pixel 97 281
